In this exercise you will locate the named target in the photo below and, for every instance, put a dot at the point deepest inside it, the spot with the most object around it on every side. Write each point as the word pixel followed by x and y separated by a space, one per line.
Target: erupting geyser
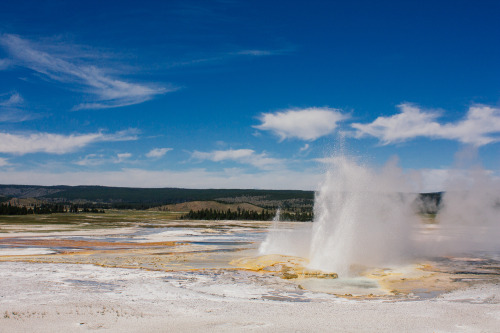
pixel 366 217
pixel 362 217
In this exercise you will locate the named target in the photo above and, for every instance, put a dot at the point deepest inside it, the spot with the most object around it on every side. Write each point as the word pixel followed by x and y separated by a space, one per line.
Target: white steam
pixel 285 240
pixel 358 217
pixel 470 214
pixel 366 217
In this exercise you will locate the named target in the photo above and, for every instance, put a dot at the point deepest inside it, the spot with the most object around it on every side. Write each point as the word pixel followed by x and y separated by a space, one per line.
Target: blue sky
pixel 249 94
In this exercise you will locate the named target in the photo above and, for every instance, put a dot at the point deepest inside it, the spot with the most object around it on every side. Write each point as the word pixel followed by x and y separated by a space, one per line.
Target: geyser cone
pixel 363 217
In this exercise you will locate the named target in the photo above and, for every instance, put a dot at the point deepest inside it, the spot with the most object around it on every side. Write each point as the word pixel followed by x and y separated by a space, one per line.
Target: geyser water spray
pixel 282 239
pixel 363 217
pixel 366 217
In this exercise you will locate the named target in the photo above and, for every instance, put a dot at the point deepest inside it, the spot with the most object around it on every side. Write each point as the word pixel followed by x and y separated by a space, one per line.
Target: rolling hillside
pixel 151 197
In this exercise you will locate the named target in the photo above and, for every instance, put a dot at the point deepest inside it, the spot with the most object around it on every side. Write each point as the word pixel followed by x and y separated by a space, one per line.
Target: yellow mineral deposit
pixel 287 267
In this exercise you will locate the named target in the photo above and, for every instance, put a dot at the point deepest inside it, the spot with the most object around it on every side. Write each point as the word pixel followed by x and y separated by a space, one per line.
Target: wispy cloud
pixel 258 53
pixel 243 156
pixel 227 56
pixel 305 124
pixel 100 159
pixel 4 162
pixel 21 144
pixel 325 160
pixel 91 160
pixel 4 64
pixel 12 109
pixel 480 126
pixel 107 91
pixel 305 148
pixel 190 178
pixel 158 152
pixel 122 157
pixel 13 101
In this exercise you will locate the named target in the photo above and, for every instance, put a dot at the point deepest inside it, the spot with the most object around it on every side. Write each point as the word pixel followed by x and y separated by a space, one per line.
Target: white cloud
pixel 122 157
pixel 194 178
pixel 244 156
pixel 221 155
pixel 94 159
pixel 108 92
pixel 4 162
pixel 480 126
pixel 306 124
pixel 325 160
pixel 431 180
pixel 124 135
pixel 11 109
pixel 302 149
pixel 91 160
pixel 14 100
pixel 158 152
pixel 21 144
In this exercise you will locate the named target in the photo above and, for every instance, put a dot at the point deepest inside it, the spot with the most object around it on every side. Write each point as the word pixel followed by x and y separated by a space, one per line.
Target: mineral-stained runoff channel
pixel 209 275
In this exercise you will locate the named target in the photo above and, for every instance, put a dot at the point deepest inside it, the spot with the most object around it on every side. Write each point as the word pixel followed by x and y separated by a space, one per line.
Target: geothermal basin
pixel 152 273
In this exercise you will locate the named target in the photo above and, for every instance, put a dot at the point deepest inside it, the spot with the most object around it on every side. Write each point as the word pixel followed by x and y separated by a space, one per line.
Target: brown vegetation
pixel 214 205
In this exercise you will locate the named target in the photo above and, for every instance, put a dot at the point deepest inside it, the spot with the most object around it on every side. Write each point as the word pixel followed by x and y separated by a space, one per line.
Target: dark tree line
pixel 136 206
pixel 8 209
pixel 242 214
pixel 304 216
pixel 84 209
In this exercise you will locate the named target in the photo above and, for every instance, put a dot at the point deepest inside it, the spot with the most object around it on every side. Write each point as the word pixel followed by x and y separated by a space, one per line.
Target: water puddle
pixel 93 284
pixel 358 286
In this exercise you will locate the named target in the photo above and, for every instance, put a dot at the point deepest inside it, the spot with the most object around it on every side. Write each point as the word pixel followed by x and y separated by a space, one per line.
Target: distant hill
pixel 214 205
pixel 143 198
pixel 127 196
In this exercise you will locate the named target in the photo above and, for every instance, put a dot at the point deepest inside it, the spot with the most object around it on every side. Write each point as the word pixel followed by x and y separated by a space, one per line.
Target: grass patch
pixel 69 221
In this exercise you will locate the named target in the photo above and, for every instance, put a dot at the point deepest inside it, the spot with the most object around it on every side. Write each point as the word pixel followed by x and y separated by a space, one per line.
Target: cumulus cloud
pixel 480 126
pixel 306 124
pixel 107 91
pixel 158 152
pixel 243 156
pixel 21 144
